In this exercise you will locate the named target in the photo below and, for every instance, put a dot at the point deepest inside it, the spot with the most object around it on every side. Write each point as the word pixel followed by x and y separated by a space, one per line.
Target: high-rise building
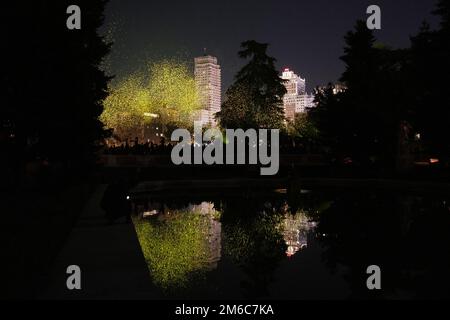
pixel 294 84
pixel 296 100
pixel 208 79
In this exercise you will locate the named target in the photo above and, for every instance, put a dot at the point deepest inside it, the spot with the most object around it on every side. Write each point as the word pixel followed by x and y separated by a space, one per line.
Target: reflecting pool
pixel 295 244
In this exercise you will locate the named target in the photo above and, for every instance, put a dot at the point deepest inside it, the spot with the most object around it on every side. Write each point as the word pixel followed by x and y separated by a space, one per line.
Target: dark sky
pixel 306 36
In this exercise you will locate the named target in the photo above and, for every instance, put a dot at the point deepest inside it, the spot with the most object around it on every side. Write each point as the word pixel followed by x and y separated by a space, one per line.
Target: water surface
pixel 295 244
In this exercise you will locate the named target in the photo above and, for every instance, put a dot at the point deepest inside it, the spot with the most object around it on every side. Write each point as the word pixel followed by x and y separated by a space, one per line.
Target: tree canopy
pixel 254 100
pixel 366 120
pixel 429 69
pixel 54 86
pixel 166 90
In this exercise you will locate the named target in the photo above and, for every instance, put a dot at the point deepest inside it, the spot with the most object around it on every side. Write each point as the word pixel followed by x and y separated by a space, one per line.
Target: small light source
pixel 434 161
pixel 150 213
pixel 128 197
pixel 151 115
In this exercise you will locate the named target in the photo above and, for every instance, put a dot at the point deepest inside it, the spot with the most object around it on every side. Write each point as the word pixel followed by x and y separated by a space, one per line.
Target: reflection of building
pixel 211 226
pixel 213 232
pixel 296 230
pixel 296 100
pixel 208 79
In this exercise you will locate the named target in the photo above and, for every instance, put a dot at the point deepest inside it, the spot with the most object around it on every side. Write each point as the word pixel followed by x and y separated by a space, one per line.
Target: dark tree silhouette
pixel 52 81
pixel 327 116
pixel 430 67
pixel 366 120
pixel 255 98
pixel 391 95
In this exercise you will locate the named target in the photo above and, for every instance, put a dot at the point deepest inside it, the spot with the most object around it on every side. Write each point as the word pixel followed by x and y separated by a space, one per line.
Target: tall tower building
pixel 294 84
pixel 296 100
pixel 208 79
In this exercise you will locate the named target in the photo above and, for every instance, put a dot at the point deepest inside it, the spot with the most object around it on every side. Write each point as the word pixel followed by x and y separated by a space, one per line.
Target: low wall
pixel 165 160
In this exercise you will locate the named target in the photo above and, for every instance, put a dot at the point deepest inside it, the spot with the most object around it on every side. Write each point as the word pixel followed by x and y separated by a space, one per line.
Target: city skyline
pixel 207 74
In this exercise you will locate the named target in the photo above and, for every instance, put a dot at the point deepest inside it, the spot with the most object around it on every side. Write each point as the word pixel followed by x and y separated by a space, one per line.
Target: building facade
pixel 296 100
pixel 294 84
pixel 209 85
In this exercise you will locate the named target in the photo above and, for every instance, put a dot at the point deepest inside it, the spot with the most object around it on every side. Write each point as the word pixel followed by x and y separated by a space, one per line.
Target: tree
pixel 303 130
pixel 255 98
pixel 367 120
pixel 125 108
pixel 326 117
pixel 429 70
pixel 53 81
pixel 167 90
pixel 173 93
pixel 347 120
pixel 443 10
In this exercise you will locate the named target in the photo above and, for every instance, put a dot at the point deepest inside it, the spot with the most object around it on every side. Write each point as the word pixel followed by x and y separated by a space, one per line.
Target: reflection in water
pixel 253 241
pixel 236 247
pixel 406 236
pixel 179 245
pixel 296 230
pixel 213 229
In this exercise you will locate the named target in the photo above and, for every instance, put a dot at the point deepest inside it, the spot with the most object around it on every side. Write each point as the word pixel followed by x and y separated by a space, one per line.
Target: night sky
pixel 306 36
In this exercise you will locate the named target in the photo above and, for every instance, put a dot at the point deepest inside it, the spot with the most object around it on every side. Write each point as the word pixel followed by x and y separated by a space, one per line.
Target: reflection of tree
pixel 253 240
pixel 426 249
pixel 175 248
pixel 360 230
pixel 296 228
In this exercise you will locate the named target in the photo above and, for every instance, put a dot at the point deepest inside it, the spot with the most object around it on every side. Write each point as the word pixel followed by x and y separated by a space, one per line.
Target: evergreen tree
pixel 326 116
pixel 365 120
pixel 53 81
pixel 255 98
pixel 430 69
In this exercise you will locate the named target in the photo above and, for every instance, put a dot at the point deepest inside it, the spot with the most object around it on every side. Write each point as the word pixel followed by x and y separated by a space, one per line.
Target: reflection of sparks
pixel 178 248
pixel 296 229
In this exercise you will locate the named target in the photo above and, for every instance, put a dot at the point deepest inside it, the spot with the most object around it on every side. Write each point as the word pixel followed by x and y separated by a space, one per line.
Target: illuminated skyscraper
pixel 296 100
pixel 294 84
pixel 208 79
